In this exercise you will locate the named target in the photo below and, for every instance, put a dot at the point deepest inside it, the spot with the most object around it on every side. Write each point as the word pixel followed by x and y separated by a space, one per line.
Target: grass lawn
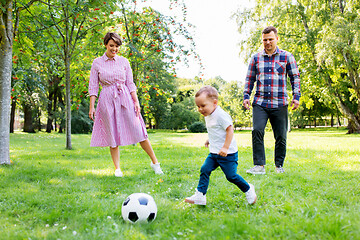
pixel 52 193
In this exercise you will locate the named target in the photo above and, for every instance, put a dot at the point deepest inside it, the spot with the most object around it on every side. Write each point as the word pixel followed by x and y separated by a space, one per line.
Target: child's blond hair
pixel 210 92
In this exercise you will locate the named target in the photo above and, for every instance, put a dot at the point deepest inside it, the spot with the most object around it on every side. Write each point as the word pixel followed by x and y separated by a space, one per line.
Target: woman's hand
pixel 92 113
pixel 92 107
pixel 137 108
pixel 136 103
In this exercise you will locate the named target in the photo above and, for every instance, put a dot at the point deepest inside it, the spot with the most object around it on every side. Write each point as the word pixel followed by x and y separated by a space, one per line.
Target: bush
pixel 80 121
pixel 197 127
pixel 180 116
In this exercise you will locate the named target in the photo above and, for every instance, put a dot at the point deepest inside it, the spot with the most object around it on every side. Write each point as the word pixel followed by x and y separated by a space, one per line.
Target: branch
pixel 353 75
pixel 17 15
pixel 73 24
pixel 44 27
pixel 48 4
pixel 346 110
pixel 125 20
pixel 55 24
pixel 80 34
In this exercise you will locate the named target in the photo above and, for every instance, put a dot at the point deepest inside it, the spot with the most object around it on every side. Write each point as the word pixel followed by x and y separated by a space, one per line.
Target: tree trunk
pixel 67 58
pixel 12 115
pixel 53 92
pixel 38 118
pixel 59 97
pixel 339 121
pixel 49 126
pixel 353 127
pixel 68 103
pixel 55 107
pixel 28 119
pixel 6 37
pixel 341 6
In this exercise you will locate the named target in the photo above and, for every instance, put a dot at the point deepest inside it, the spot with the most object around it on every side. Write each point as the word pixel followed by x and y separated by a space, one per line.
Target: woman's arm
pixel 92 107
pixel 136 103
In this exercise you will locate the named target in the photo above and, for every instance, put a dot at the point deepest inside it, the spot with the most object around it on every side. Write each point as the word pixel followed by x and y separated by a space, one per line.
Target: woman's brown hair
pixel 112 36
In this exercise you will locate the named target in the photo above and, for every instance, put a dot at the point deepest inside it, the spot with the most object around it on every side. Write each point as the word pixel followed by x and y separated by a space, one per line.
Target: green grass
pixel 52 193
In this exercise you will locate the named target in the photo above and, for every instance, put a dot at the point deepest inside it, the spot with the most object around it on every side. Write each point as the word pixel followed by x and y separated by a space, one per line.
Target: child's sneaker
pixel 118 173
pixel 257 169
pixel 156 167
pixel 198 198
pixel 251 195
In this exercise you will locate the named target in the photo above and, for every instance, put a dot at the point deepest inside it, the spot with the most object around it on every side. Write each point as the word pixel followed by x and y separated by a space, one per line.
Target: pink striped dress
pixel 115 122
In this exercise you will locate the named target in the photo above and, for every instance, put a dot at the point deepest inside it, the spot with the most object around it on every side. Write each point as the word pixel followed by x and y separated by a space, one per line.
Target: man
pixel 269 69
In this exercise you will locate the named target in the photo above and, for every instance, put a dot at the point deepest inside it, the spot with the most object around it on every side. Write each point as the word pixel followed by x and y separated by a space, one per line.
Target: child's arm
pixel 229 136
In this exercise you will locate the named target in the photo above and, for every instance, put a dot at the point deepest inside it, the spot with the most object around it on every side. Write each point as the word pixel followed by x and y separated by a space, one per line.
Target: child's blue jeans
pixel 228 165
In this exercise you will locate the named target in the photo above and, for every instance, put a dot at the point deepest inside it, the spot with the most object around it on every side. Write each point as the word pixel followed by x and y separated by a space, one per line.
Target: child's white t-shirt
pixel 216 125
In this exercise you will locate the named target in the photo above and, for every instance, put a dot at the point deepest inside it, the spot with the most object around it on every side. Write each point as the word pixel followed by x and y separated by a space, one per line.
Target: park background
pixel 47 49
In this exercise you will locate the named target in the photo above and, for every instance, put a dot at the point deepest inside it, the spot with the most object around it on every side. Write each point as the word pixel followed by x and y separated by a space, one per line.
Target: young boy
pixel 222 146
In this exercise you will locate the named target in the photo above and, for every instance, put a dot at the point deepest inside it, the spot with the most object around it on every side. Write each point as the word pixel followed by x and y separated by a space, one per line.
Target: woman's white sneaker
pixel 118 173
pixel 156 167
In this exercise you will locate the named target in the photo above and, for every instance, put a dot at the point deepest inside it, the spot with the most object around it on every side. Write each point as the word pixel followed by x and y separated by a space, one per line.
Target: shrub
pixel 197 127
pixel 179 116
pixel 80 121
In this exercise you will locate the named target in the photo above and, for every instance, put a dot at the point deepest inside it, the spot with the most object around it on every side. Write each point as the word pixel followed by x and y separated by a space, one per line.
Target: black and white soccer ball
pixel 139 207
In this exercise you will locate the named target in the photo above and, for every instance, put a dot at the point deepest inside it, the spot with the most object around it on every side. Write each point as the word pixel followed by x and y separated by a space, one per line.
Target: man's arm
pixel 294 75
pixel 249 82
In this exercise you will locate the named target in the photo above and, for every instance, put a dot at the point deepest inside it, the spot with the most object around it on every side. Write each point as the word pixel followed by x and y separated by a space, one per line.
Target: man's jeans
pixel 228 165
pixel 279 122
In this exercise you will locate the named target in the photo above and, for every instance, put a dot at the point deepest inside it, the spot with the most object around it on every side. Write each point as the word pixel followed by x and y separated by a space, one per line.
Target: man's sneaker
pixel 251 195
pixel 279 170
pixel 257 169
pixel 198 198
pixel 118 173
pixel 156 167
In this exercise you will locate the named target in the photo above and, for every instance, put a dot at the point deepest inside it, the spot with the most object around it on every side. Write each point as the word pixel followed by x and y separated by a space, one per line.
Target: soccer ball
pixel 139 207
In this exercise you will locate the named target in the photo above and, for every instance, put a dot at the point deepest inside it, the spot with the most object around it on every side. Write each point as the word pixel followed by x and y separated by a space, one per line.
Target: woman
pixel 117 118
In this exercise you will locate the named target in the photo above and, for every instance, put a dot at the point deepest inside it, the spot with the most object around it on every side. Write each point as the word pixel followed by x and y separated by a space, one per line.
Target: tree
pixel 28 90
pixel 339 60
pixel 230 98
pixel 6 37
pixel 323 37
pixel 153 51
pixel 67 24
pixel 72 29
pixel 7 33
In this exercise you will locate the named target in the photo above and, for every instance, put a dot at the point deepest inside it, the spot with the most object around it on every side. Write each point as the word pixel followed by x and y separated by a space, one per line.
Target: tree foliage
pixel 58 40
pixel 323 35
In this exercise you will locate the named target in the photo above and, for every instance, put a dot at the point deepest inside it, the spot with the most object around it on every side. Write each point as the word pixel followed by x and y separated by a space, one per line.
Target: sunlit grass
pixel 52 193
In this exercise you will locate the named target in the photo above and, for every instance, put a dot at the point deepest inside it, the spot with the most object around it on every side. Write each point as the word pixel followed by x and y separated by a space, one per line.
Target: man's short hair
pixel 269 29
pixel 112 36
pixel 210 92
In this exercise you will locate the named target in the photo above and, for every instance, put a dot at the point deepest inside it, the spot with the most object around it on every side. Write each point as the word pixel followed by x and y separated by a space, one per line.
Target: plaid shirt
pixel 269 73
